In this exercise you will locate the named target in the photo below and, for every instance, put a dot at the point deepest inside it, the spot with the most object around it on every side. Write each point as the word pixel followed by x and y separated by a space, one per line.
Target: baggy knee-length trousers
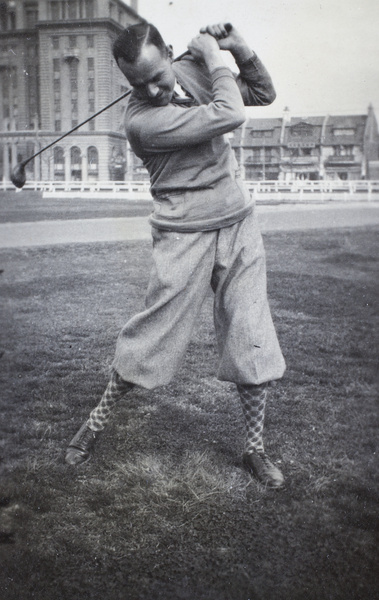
pixel 231 260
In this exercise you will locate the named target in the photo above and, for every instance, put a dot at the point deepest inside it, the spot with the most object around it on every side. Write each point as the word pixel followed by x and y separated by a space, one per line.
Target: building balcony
pixel 260 161
pixel 71 54
pixel 345 161
pixel 301 160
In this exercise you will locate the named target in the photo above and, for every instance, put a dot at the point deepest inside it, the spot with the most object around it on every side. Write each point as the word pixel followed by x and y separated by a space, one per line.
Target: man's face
pixel 151 76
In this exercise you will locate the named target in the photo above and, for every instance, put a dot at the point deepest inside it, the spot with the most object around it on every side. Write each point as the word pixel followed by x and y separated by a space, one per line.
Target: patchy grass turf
pixel 28 206
pixel 165 511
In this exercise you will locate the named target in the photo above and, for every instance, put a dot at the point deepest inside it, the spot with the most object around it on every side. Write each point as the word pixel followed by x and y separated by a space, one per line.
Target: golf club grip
pixel 228 27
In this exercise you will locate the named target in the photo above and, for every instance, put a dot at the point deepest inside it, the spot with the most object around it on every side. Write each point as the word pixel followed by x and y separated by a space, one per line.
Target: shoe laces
pixel 86 436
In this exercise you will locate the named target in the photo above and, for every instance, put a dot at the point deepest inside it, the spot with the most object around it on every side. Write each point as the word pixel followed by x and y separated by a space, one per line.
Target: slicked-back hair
pixel 130 42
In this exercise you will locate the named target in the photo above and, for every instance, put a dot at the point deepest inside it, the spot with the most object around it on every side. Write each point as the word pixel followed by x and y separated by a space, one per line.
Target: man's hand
pixel 203 45
pixel 228 38
pixel 205 48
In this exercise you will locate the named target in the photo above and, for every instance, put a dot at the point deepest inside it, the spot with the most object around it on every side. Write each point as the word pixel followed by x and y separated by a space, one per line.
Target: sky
pixel 323 55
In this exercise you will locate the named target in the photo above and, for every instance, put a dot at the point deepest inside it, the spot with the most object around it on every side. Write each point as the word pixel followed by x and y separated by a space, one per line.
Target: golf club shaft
pixel 228 28
pixel 24 162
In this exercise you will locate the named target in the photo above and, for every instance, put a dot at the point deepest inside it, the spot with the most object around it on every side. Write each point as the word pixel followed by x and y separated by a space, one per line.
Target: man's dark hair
pixel 129 43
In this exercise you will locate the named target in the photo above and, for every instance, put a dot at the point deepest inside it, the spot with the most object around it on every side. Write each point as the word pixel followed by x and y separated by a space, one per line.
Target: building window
pixel 90 41
pixel 9 95
pixel 76 159
pixel 55 42
pixel 91 84
pixel 57 125
pixel 72 9
pixel 3 16
pixel 76 163
pixel 343 131
pixel 58 159
pixel 12 20
pixel 255 155
pixel 89 7
pixel 344 151
pixel 32 91
pixel 93 160
pixel 73 88
pixel 301 130
pixel 72 41
pixel 7 17
pixel 262 133
pixel 55 10
pixel 31 15
pixel 59 164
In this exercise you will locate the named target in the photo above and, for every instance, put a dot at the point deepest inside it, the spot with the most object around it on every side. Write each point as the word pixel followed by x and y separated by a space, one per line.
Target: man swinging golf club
pixel 204 228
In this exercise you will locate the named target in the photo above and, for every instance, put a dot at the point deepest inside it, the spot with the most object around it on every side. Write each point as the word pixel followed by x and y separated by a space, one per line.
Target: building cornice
pixel 36 135
pixel 18 33
pixel 84 23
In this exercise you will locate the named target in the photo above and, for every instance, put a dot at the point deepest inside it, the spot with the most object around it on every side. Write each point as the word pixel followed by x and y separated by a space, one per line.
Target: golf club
pixel 18 175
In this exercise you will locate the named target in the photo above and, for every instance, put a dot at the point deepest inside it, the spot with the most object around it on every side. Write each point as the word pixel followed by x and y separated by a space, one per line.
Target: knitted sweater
pixel 195 181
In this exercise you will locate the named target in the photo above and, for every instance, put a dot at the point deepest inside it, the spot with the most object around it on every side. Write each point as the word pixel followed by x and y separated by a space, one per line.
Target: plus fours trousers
pixel 231 260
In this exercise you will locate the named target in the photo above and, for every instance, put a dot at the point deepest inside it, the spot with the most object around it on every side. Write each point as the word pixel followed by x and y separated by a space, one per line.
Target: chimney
pixel 286 114
pixel 286 118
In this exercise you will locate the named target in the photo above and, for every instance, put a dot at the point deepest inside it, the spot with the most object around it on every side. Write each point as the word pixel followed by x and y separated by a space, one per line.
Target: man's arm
pixel 169 128
pixel 254 81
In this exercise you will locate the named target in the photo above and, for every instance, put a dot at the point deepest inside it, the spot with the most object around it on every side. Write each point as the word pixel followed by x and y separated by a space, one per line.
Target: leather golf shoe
pixel 81 446
pixel 263 470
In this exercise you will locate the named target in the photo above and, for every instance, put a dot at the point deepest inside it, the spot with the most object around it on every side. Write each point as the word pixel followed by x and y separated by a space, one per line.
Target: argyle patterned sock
pixel 253 399
pixel 114 391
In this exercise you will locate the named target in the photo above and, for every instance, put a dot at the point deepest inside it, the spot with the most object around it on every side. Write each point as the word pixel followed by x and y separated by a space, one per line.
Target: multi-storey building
pixel 56 69
pixel 328 147
pixel 313 148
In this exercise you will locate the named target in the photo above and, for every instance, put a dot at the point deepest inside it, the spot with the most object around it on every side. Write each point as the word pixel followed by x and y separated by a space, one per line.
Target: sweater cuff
pixel 248 62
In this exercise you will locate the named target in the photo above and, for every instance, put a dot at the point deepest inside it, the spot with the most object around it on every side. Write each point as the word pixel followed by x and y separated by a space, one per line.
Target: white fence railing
pixel 316 191
pixel 300 186
pixel 261 190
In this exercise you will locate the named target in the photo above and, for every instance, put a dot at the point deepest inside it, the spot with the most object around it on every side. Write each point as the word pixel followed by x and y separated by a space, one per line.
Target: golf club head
pixel 18 175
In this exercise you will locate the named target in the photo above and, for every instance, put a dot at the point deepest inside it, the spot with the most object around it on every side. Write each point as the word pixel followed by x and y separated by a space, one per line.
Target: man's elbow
pixel 270 96
pixel 238 117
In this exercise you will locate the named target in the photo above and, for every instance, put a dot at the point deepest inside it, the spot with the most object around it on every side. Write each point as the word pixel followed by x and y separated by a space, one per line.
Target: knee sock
pixel 253 399
pixel 114 391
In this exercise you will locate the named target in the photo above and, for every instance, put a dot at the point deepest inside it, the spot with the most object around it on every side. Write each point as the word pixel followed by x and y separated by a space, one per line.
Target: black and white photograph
pixel 189 275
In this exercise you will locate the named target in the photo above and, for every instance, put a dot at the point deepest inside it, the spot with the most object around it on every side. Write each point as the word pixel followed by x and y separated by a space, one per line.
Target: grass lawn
pixel 165 510
pixel 29 206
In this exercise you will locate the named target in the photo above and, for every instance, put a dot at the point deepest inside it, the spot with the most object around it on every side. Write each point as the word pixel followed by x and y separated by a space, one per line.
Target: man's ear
pixel 170 51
